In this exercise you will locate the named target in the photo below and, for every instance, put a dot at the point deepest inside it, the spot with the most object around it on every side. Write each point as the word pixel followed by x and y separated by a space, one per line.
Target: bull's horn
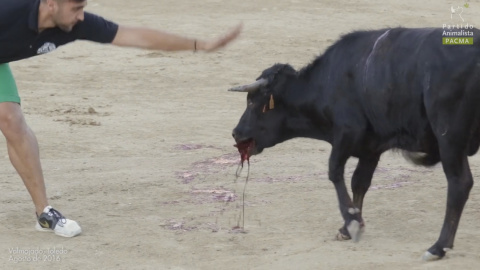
pixel 249 87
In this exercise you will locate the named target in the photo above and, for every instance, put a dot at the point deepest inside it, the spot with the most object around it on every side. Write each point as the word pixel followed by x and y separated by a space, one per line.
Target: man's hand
pixel 150 39
pixel 210 46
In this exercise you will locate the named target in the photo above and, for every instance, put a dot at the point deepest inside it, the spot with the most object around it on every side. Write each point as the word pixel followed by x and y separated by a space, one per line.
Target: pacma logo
pixel 46 48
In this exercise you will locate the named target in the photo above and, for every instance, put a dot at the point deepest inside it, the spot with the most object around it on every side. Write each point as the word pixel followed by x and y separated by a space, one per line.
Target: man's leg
pixel 24 154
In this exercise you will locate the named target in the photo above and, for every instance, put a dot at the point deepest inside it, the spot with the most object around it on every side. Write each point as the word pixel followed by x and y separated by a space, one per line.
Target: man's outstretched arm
pixel 145 38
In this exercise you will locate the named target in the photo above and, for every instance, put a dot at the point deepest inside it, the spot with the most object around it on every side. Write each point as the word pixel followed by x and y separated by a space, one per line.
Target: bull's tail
pixel 422 159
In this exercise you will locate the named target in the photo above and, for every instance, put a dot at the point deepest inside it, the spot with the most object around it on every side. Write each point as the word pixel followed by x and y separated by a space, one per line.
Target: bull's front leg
pixel 353 226
pixel 361 180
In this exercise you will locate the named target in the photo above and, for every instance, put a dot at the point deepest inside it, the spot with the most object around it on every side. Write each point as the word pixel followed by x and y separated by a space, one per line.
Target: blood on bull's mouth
pixel 245 149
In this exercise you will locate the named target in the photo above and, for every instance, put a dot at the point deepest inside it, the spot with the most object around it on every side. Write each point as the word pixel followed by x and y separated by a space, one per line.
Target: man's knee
pixel 12 122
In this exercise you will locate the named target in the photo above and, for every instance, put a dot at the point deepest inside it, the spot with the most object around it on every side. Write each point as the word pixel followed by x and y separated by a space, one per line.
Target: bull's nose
pixel 237 135
pixel 234 134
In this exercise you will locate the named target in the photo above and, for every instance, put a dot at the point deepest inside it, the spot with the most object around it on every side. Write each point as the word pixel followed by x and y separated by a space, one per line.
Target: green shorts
pixel 8 87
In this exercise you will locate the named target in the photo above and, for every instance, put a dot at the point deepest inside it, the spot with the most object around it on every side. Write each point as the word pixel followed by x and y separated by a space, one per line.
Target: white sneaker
pixel 53 221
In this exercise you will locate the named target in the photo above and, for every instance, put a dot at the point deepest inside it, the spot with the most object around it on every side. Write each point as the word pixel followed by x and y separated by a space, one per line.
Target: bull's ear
pixel 250 87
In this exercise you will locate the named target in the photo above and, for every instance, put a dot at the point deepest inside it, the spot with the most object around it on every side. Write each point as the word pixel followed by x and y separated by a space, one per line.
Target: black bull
pixel 370 92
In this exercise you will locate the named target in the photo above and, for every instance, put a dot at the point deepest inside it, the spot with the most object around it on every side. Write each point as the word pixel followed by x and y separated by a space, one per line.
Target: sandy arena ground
pixel 136 147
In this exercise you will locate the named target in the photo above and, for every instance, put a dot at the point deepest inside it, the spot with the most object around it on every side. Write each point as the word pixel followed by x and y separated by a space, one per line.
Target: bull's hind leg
pixel 361 180
pixel 460 181
pixel 338 158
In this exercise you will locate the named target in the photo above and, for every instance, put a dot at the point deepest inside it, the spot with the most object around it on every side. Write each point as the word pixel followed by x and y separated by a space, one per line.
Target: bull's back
pixel 402 77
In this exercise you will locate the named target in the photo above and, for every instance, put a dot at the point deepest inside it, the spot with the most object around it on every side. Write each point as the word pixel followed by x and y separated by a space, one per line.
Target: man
pixel 33 27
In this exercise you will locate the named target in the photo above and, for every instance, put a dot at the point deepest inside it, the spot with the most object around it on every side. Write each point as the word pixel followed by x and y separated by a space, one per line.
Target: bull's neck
pixel 308 113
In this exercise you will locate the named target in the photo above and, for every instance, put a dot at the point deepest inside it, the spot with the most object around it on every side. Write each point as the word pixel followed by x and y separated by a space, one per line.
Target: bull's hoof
pixel 342 237
pixel 355 229
pixel 434 253
pixel 429 257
